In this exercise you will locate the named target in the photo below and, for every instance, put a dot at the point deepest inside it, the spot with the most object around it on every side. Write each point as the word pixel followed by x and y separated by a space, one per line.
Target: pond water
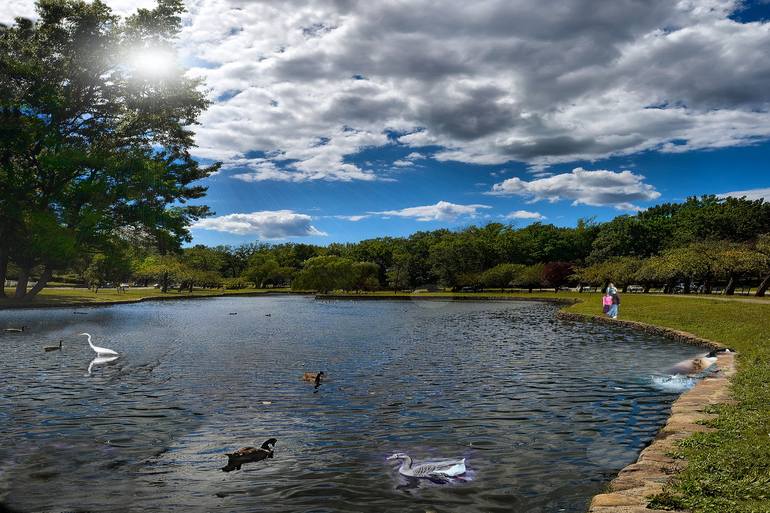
pixel 545 411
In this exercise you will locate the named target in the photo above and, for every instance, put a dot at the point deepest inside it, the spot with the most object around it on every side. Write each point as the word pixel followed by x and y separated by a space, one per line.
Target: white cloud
pixel 311 82
pixel 596 188
pixel 352 218
pixel 441 211
pixel 525 214
pixel 267 224
pixel 409 160
pixel 752 194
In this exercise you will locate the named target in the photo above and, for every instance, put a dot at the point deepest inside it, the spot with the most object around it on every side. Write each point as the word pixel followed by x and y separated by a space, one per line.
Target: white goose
pixel 430 469
pixel 100 351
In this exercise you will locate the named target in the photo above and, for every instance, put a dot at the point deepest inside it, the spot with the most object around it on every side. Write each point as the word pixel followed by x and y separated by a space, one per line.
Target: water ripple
pixel 545 411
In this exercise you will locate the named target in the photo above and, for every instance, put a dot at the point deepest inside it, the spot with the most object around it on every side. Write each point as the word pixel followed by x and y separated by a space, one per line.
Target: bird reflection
pixel 101 360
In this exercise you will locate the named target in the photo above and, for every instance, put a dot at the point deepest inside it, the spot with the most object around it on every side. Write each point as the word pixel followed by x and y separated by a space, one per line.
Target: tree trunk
pixel 707 286
pixel 41 283
pixel 580 288
pixel 164 283
pixel 21 283
pixel 730 288
pixel 763 286
pixel 686 286
pixel 625 289
pixel 3 269
pixel 647 288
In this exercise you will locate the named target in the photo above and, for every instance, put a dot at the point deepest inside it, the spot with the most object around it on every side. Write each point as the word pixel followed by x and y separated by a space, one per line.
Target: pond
pixel 545 411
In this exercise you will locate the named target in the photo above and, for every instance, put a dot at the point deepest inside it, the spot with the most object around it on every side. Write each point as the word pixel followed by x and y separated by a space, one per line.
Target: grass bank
pixel 728 470
pixel 74 297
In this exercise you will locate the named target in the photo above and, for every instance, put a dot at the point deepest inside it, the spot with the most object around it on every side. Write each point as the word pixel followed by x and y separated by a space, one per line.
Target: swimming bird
pixel 314 377
pixel 15 330
pixel 249 455
pixel 694 365
pixel 100 351
pixel 233 313
pixel 439 470
pixel 52 348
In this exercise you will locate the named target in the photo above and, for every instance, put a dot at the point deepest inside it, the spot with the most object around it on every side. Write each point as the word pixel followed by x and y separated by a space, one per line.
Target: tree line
pixel 693 246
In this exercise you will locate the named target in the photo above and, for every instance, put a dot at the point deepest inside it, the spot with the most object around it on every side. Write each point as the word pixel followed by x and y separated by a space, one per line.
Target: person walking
pixel 615 305
pixel 606 303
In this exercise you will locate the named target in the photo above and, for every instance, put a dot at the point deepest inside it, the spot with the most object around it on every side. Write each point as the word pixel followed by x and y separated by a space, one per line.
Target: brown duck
pixel 314 377
pixel 249 455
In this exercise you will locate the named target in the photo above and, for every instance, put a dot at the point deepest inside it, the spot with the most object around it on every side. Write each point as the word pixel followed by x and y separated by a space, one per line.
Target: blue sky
pixel 339 121
pixel 675 176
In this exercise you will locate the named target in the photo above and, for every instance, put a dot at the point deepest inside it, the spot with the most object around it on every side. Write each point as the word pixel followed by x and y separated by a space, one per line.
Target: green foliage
pixel 88 144
pixel 501 275
pixel 530 277
pixel 234 283
pixel 325 273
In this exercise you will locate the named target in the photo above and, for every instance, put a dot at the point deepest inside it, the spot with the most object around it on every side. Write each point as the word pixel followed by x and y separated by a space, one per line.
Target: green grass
pixel 82 296
pixel 728 470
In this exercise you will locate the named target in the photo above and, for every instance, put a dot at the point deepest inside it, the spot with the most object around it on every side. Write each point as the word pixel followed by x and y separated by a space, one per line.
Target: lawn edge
pixel 635 484
pixel 143 299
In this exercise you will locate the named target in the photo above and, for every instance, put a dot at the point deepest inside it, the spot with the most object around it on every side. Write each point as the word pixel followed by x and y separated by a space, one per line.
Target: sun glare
pixel 152 62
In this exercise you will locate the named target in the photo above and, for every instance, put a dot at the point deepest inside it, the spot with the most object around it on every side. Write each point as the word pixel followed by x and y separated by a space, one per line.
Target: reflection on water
pixel 101 360
pixel 544 411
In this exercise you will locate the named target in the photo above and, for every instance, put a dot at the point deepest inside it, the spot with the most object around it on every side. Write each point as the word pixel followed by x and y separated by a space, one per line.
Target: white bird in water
pixel 439 470
pixel 100 351
pixel 15 330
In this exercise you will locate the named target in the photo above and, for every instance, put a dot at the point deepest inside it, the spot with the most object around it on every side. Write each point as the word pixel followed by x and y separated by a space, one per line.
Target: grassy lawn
pixel 82 296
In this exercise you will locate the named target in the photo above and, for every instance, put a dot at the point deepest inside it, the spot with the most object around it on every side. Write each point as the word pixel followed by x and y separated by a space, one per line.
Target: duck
pixel 48 349
pixel 314 377
pixel 233 313
pixel 15 330
pixel 249 455
pixel 435 470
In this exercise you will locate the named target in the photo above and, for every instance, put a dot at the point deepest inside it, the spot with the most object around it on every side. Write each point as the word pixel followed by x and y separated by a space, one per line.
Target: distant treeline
pixel 693 246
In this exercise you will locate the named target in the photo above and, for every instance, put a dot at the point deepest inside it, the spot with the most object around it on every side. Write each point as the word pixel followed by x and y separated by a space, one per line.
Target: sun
pixel 152 62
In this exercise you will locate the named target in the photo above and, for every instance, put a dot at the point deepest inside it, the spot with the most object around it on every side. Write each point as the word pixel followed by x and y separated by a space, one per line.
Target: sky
pixel 341 120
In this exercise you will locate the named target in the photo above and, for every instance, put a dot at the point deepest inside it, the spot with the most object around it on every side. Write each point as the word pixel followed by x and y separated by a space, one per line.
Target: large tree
pixel 92 139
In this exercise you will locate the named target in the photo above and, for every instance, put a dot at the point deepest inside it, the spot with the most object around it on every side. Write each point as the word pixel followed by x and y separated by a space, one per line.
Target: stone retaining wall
pixel 630 491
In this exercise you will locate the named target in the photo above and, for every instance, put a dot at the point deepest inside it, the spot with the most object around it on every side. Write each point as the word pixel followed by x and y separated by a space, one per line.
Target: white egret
pixel 100 351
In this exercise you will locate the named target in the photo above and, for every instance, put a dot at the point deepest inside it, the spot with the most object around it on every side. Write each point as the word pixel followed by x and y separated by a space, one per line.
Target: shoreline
pixel 418 297
pixel 143 299
pixel 631 490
